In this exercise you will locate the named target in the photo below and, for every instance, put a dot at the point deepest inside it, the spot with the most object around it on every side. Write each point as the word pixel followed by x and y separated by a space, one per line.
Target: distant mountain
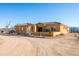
pixel 73 29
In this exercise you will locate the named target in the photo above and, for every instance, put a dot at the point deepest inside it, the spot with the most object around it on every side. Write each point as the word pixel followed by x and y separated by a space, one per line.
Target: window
pixel 46 30
pixel 39 29
pixel 53 29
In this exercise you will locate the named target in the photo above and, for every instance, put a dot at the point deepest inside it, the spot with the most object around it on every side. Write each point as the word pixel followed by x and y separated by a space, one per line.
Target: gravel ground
pixel 66 45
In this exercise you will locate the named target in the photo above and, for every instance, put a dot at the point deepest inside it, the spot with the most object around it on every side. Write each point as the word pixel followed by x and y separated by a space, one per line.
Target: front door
pixel 40 29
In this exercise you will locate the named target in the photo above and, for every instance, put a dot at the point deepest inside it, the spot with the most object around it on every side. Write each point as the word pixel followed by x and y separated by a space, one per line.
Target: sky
pixel 67 14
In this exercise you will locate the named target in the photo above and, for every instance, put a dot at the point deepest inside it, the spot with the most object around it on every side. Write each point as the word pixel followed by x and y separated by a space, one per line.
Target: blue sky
pixel 23 13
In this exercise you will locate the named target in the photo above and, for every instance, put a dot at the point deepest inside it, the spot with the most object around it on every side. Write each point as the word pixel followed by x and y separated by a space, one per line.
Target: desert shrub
pixel 18 33
pixel 76 31
pixel 2 31
pixel 11 31
pixel 75 35
pixel 61 34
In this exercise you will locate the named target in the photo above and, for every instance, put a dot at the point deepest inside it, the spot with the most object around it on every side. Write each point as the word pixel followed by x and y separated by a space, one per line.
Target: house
pixel 43 29
pixel 24 28
pixel 74 29
pixel 50 29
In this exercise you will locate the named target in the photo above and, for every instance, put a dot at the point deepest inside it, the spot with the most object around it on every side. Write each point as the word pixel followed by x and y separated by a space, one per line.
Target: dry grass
pixel 59 46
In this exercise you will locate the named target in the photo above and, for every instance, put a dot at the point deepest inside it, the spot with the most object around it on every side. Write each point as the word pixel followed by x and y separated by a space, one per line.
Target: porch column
pixel 35 28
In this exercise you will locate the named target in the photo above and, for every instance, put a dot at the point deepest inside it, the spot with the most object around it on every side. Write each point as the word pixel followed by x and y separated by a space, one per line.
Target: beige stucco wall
pixel 42 33
pixel 47 33
pixel 61 29
pixel 47 26
pixel 24 28
pixel 64 29
pixel 55 33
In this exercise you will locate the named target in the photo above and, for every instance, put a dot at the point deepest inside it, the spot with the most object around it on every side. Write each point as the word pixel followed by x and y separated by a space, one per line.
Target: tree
pixel 7 27
pixel 29 31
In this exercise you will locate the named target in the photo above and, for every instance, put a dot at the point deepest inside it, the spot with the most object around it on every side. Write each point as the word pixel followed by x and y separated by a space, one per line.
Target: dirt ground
pixel 66 45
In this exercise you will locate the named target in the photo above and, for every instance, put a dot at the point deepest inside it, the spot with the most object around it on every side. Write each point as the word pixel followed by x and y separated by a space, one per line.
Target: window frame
pixel 53 29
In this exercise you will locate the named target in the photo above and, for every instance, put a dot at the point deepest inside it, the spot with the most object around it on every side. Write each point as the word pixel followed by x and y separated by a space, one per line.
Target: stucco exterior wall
pixel 61 29
pixel 42 33
pixel 21 29
pixel 64 29
pixel 47 26
pixel 47 33
pixel 24 28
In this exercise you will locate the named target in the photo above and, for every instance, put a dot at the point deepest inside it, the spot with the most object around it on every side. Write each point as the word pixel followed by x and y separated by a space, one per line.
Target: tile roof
pixel 48 23
pixel 24 24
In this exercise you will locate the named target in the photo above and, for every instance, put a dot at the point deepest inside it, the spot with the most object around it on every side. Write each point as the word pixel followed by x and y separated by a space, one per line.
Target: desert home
pixel 51 29
pixel 43 29
pixel 24 28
